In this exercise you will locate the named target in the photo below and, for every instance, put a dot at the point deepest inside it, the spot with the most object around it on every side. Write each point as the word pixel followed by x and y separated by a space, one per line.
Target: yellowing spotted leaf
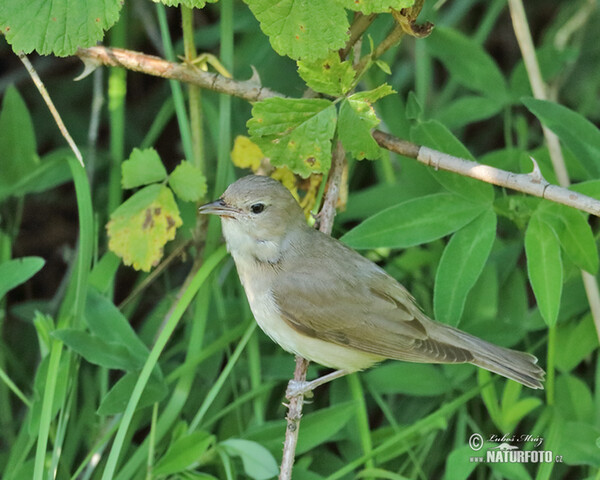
pixel 139 229
pixel 246 153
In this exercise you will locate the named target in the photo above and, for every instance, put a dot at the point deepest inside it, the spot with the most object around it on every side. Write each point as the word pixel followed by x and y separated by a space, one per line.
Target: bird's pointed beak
pixel 218 207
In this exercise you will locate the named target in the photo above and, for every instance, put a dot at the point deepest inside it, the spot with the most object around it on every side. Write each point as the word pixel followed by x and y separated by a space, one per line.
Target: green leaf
pixel 108 323
pixel 408 378
pixel 302 29
pixel 142 168
pixel 56 27
pixel 574 400
pixel 544 267
pixel 258 462
pixel 115 401
pixel 98 351
pixel 468 109
pixel 573 232
pixel 140 227
pixel 575 341
pixel 357 119
pixel 580 135
pixel 327 75
pixel 460 266
pixel 473 68
pixel 375 6
pixel 18 155
pixel 414 222
pixel 188 182
pixel 371 96
pixel 434 135
pixel 17 271
pixel 579 443
pixel 184 453
pixel 322 425
pixel 458 466
pixel 52 171
pixel 296 133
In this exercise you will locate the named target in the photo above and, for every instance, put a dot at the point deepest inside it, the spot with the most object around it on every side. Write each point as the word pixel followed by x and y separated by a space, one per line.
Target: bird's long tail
pixel 519 366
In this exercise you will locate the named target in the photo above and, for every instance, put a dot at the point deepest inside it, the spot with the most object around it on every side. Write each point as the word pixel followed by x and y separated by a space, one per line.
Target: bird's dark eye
pixel 257 207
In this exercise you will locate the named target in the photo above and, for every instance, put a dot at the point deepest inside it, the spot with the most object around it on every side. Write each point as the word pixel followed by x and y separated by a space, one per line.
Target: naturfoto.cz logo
pixel 504 452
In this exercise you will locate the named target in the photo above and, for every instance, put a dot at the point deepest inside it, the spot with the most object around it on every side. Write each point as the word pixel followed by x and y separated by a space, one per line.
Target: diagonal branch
pixel 251 91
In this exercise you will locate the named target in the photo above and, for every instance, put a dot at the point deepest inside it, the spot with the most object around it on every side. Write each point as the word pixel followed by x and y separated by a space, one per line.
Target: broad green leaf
pixel 302 29
pixel 580 135
pixel 328 75
pixel 458 466
pixel 52 171
pixel 468 109
pixel 115 401
pixel 184 453
pixel 434 135
pixel 142 168
pixel 296 133
pixel 574 400
pixel 188 182
pixel 357 119
pixel 416 221
pixel 460 266
pixel 17 271
pixel 473 67
pixel 258 462
pixel 518 411
pixel 375 6
pixel 579 443
pixel 544 267
pixel 185 3
pixel 108 323
pixel 98 351
pixel 573 232
pixel 574 342
pixel 408 378
pixel 18 155
pixel 140 227
pixel 56 27
pixel 322 425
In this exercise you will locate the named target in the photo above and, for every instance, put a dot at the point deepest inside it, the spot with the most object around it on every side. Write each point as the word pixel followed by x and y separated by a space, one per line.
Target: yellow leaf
pixel 140 227
pixel 287 178
pixel 246 154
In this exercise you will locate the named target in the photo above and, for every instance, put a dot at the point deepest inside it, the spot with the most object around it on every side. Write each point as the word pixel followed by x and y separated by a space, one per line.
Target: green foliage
pixel 56 27
pixel 161 374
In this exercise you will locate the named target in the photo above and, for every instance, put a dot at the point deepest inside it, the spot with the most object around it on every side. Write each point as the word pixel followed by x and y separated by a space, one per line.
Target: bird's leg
pixel 296 388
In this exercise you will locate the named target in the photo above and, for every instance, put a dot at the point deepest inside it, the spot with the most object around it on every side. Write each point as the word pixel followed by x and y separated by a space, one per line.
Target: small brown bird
pixel 321 300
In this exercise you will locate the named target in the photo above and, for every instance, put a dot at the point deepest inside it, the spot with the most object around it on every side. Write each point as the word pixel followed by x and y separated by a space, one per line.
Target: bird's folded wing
pixel 368 311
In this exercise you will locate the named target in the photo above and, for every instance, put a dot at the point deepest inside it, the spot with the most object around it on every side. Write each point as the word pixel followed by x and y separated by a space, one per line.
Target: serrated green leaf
pixel 296 133
pixel 328 75
pixel 544 266
pixel 183 453
pixel 18 155
pixel 188 182
pixel 140 227
pixel 580 135
pixel 98 351
pixel 258 462
pixel 473 67
pixel 115 401
pixel 375 6
pixel 409 379
pixel 357 119
pixel 142 168
pixel 302 29
pixel 56 27
pixel 574 234
pixel 434 135
pixel 17 271
pixel 414 222
pixel 460 266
